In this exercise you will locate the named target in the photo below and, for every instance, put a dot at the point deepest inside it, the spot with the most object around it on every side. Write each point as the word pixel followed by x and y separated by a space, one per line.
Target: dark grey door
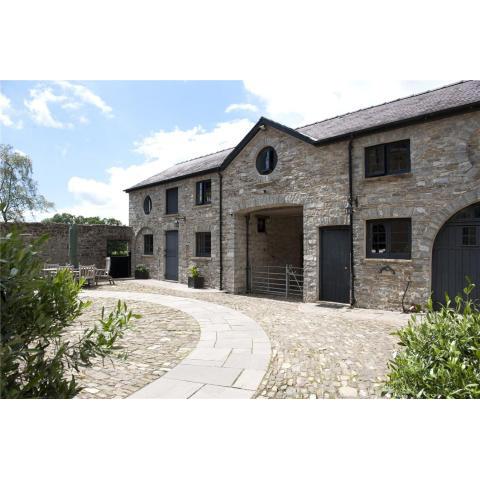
pixel 456 255
pixel 171 255
pixel 335 265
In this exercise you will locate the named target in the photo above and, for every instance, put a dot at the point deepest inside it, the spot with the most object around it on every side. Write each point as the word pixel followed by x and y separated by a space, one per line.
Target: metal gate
pixel 284 281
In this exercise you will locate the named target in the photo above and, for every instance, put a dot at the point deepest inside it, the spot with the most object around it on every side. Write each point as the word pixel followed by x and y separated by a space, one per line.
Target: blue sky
pixel 89 140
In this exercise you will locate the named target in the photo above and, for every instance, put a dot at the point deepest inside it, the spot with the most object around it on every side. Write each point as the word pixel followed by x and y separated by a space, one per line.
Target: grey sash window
pixel 390 238
pixel 203 244
pixel 148 244
pixel 172 200
pixel 204 192
pixel 387 159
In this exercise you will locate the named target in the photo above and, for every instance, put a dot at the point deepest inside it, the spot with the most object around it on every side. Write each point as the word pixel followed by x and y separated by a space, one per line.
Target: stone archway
pixel 269 201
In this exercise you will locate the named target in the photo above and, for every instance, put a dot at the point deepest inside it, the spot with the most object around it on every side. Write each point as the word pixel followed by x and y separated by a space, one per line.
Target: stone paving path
pixel 156 343
pixel 317 351
pixel 229 361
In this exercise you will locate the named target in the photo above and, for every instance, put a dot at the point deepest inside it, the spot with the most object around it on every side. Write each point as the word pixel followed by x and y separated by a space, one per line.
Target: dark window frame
pixel 148 244
pixel 384 151
pixel 387 224
pixel 272 160
pixel 203 244
pixel 470 236
pixel 261 225
pixel 168 207
pixel 147 205
pixel 203 192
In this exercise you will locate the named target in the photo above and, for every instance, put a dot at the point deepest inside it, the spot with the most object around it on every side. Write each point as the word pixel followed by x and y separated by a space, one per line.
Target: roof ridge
pixel 203 156
pixel 384 103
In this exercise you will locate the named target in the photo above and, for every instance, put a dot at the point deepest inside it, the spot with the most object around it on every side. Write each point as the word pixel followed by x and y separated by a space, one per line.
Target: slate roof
pixel 187 168
pixel 442 99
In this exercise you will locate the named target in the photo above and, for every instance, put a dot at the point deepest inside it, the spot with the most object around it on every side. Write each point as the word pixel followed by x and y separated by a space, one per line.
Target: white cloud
pixel 85 96
pixel 69 97
pixel 312 100
pixel 39 109
pixel 249 107
pixel 6 112
pixel 160 150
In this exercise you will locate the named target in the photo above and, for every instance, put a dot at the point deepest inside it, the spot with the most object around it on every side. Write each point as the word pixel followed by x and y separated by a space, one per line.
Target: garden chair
pixel 104 273
pixel 87 272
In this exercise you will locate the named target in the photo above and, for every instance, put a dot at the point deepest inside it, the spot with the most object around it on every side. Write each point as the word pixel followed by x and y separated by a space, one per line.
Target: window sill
pixel 393 176
pixel 387 260
pixel 170 214
pixel 200 258
pixel 202 205
pixel 147 255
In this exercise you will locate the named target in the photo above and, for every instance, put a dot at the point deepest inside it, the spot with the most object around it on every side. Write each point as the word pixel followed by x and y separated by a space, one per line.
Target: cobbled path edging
pixel 230 360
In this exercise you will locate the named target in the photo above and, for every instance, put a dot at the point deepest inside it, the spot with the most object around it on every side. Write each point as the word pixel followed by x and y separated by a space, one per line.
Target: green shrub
pixel 441 354
pixel 141 268
pixel 36 360
pixel 194 271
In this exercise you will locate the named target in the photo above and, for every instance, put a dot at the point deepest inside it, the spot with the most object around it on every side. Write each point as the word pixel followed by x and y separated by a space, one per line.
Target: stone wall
pixel 280 244
pixel 55 250
pixel 91 240
pixel 444 178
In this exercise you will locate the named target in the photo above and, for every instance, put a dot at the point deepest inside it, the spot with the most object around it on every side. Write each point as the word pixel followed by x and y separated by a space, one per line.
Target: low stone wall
pixel 91 240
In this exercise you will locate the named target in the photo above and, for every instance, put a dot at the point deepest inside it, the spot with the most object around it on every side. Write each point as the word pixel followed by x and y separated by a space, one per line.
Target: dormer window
pixel 266 161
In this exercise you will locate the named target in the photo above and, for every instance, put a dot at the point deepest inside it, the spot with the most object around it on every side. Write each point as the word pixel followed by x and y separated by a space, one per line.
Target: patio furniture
pixel 104 273
pixel 87 272
pixel 51 265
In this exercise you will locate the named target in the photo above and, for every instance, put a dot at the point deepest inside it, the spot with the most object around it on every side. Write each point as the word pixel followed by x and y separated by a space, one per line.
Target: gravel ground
pixel 156 343
pixel 317 351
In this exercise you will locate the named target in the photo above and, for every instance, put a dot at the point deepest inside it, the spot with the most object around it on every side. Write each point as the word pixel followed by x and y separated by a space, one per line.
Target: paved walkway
pixel 317 351
pixel 229 361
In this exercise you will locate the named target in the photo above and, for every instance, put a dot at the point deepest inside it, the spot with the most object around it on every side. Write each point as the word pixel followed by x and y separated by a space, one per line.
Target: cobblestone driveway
pixel 156 343
pixel 317 352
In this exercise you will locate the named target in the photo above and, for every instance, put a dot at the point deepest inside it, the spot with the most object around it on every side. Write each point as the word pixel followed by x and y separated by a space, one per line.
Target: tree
pixel 18 190
pixel 36 358
pixel 79 219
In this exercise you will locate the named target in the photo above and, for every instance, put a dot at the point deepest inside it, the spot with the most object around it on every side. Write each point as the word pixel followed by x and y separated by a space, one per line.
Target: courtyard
pixel 239 346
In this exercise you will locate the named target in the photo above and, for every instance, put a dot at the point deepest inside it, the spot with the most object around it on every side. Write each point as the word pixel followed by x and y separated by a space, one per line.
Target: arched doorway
pixel 456 254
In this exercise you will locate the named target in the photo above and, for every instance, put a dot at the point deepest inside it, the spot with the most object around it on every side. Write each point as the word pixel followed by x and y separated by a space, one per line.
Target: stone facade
pixel 91 240
pixel 444 178
pixel 190 219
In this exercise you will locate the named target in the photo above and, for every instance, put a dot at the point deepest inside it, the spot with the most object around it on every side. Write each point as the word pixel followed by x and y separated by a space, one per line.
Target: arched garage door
pixel 456 254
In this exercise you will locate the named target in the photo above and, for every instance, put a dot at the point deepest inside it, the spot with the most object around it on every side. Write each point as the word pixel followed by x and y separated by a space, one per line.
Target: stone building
pixel 375 208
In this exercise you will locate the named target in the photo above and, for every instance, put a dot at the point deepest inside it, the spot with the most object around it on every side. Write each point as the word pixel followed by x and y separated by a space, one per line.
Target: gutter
pixel 350 211
pixel 220 229
pixel 247 269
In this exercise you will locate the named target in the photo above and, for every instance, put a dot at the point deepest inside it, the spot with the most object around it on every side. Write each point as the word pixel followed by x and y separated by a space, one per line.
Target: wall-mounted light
pixel 348 208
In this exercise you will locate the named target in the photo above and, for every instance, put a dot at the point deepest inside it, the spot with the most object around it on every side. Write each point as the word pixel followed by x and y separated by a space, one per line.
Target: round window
pixel 147 205
pixel 266 160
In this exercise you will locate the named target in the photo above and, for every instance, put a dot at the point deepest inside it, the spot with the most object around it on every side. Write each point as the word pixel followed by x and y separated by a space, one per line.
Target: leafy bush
pixel 141 268
pixel 37 360
pixel 194 271
pixel 441 354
